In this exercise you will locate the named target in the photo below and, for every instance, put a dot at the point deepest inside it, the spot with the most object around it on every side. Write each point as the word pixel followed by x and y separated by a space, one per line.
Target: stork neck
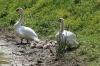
pixel 62 27
pixel 21 18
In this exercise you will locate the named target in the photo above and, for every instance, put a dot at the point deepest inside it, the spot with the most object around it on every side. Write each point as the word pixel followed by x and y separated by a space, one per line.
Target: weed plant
pixel 61 47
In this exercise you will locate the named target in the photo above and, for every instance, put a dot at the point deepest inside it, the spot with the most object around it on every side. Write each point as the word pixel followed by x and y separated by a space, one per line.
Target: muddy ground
pixel 24 55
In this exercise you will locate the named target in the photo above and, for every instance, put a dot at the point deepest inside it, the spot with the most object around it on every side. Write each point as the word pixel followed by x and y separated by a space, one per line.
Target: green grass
pixel 81 17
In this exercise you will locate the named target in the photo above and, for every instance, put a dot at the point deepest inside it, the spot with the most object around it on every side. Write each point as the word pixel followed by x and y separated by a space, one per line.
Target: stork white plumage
pixel 22 31
pixel 64 36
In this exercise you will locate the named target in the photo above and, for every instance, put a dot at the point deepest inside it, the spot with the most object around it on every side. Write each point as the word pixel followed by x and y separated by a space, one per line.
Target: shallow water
pixel 7 57
pixel 5 54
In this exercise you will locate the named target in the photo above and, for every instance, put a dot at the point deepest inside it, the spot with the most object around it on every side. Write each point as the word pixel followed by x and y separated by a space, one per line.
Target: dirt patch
pixel 24 55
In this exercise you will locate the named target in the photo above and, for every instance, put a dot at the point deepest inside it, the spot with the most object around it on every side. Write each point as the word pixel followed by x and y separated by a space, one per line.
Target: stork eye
pixel 59 20
pixel 17 10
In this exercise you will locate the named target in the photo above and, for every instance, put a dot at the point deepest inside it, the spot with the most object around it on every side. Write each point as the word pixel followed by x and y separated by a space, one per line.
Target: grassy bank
pixel 81 17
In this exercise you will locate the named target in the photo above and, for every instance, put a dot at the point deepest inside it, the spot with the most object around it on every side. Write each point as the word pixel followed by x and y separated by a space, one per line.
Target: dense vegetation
pixel 81 17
